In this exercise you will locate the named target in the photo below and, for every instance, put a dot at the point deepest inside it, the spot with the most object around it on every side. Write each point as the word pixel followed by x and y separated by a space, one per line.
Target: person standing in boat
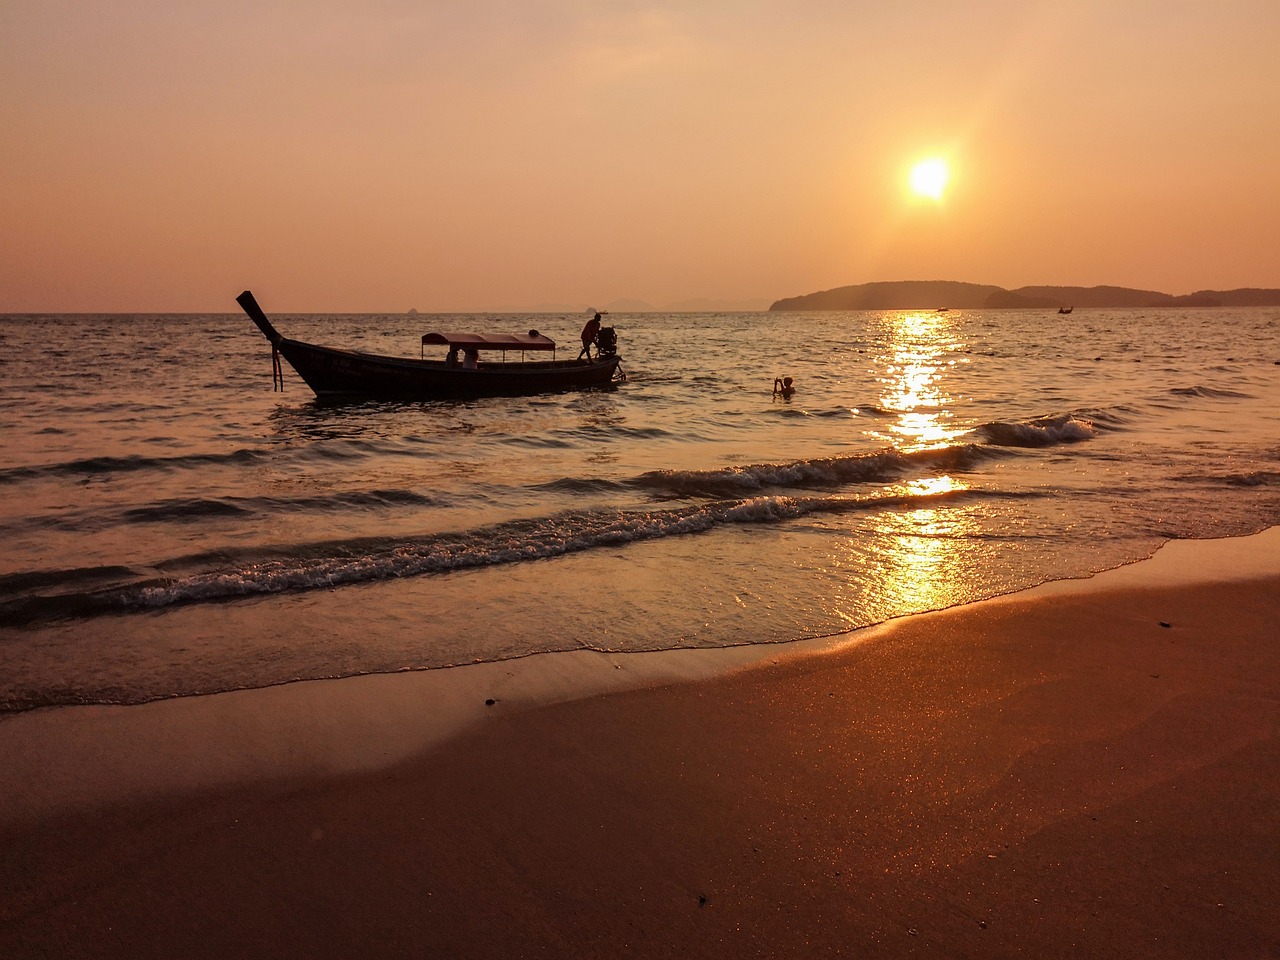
pixel 589 334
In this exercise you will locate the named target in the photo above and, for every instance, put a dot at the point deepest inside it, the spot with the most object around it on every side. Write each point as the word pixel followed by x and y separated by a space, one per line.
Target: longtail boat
pixel 463 373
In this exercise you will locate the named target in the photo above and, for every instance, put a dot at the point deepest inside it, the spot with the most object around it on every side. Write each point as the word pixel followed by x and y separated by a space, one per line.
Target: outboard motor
pixel 607 341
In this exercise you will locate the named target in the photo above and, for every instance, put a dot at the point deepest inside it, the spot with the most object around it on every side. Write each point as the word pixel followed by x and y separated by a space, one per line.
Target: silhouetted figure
pixel 470 358
pixel 783 387
pixel 589 334
pixel 606 342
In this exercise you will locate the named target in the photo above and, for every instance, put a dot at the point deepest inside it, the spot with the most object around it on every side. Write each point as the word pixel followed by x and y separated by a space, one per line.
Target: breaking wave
pixel 749 494
pixel 881 467
pixel 1041 432
pixel 232 574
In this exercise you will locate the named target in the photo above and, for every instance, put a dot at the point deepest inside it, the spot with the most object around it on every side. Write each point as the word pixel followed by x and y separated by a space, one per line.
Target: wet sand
pixel 1087 769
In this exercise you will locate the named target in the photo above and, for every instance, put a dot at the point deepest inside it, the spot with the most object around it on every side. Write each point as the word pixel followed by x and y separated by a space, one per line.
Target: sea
pixel 172 526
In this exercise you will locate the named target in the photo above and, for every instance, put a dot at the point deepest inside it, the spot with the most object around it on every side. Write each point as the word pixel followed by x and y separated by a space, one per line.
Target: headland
pixel 931 294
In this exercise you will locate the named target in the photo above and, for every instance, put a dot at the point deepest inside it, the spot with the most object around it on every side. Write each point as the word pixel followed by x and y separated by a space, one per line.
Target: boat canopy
pixel 485 341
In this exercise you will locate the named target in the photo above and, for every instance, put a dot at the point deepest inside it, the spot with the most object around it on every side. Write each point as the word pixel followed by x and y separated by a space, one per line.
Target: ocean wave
pixel 64 579
pixel 639 433
pixel 843 412
pixel 1253 478
pixel 1041 432
pixel 98 466
pixel 196 510
pixel 1212 393
pixel 580 485
pixel 1258 478
pixel 1111 417
pixel 184 509
pixel 239 573
pixel 880 467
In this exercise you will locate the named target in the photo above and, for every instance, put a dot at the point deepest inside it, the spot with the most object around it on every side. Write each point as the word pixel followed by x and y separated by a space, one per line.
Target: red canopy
pixel 487 341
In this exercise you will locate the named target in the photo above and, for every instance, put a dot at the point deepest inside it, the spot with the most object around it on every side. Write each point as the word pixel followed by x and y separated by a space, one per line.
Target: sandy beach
pixel 1086 769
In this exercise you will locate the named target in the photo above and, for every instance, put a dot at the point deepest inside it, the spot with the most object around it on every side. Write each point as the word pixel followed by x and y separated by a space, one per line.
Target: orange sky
pixel 387 154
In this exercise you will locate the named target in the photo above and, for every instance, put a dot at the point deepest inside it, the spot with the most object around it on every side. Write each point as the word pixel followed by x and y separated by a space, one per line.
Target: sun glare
pixel 929 178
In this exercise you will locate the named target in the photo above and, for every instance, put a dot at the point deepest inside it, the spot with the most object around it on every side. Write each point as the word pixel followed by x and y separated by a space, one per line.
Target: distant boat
pixel 1065 309
pixel 942 310
pixel 347 373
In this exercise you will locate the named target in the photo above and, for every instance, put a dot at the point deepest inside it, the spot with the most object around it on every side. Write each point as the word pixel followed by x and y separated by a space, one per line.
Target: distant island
pixel 931 294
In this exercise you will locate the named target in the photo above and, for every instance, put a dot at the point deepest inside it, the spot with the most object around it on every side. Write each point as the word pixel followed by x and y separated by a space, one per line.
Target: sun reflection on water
pixel 915 384
pixel 923 563
pixel 923 566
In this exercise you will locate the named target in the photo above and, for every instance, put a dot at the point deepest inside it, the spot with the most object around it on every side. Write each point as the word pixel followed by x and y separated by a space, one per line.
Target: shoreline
pixel 104 754
pixel 1088 768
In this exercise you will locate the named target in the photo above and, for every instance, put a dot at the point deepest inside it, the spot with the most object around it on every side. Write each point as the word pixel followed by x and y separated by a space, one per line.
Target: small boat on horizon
pixel 1065 309
pixel 334 373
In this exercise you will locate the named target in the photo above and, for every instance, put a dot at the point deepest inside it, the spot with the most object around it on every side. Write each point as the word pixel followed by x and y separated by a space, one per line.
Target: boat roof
pixel 492 341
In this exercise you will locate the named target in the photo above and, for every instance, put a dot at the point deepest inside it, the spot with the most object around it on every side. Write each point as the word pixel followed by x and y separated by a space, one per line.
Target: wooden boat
pixel 1065 309
pixel 350 374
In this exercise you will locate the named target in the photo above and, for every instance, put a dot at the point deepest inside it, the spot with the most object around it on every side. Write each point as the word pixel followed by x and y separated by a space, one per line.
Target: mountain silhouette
pixel 926 294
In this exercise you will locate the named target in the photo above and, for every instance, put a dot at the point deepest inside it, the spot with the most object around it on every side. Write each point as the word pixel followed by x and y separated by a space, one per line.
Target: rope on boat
pixel 277 371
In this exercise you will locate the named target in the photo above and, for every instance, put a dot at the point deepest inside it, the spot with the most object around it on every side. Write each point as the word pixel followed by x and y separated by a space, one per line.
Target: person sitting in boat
pixel 783 387
pixel 589 334
pixel 452 359
pixel 470 358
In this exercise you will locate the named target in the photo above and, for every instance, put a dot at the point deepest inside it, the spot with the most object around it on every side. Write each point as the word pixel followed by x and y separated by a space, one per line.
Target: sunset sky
pixel 373 155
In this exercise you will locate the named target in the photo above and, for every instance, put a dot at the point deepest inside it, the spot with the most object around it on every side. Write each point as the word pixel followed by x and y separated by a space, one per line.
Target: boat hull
pixel 344 373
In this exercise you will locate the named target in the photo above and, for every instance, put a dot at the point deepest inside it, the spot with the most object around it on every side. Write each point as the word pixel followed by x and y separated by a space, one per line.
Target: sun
pixel 929 178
